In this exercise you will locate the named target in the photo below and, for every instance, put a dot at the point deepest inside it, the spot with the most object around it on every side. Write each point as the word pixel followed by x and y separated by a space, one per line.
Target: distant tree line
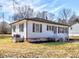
pixel 5 28
pixel 28 12
pixel 66 16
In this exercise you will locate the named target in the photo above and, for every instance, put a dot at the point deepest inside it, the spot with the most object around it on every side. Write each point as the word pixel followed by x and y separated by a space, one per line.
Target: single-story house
pixel 74 29
pixel 39 29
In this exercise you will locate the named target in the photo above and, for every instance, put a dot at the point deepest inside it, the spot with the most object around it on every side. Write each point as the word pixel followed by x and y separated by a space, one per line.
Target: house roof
pixel 39 20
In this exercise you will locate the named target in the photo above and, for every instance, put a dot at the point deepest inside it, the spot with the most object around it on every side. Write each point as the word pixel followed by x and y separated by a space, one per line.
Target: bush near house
pixel 34 50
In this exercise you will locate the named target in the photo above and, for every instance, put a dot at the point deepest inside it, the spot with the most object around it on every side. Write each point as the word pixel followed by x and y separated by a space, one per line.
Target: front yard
pixel 45 50
pixel 74 37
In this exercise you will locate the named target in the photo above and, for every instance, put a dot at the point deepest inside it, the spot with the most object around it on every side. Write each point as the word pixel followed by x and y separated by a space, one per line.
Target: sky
pixel 52 6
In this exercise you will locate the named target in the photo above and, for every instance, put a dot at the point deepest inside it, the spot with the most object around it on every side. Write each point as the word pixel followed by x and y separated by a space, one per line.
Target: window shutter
pixel 40 27
pixel 47 27
pixel 33 27
pixel 55 29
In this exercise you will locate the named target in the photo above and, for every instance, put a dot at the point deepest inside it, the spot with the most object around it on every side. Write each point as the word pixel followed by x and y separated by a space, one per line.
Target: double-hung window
pixel 52 28
pixel 60 30
pixel 49 28
pixel 21 27
pixel 37 27
pixel 66 30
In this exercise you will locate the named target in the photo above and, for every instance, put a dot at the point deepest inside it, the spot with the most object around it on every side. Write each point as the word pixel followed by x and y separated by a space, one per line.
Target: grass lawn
pixel 74 37
pixel 45 50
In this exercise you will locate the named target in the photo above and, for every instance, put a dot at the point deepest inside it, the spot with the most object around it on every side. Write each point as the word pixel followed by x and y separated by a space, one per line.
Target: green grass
pixel 55 43
pixel 44 50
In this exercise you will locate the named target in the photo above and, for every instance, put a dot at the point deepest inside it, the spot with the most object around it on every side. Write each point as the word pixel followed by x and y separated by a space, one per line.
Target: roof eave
pixel 46 21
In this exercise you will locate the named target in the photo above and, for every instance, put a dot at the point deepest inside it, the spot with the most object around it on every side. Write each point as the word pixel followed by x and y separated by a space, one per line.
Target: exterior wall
pixel 44 33
pixel 75 30
pixel 22 34
pixel 28 30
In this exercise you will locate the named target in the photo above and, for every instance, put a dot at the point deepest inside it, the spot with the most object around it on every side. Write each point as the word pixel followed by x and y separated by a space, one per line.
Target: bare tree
pixel 5 28
pixel 14 3
pixel 73 19
pixel 51 16
pixel 38 15
pixel 65 15
pixel 23 12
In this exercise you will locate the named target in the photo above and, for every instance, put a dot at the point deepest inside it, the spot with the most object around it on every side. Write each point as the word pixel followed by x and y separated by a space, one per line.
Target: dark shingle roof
pixel 40 20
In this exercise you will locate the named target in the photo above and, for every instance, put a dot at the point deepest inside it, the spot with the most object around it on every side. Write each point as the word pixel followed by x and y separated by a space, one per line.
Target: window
pixel 52 28
pixel 21 27
pixel 60 30
pixel 33 27
pixel 14 28
pixel 40 27
pixel 49 28
pixel 37 27
pixel 66 30
pixel 55 29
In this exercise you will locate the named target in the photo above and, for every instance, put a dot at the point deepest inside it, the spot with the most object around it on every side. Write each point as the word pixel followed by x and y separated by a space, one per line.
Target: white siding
pixel 31 34
pixel 23 34
pixel 75 30
pixel 44 33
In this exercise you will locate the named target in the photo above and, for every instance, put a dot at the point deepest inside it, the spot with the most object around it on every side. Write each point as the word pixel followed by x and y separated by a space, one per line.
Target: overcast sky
pixel 53 6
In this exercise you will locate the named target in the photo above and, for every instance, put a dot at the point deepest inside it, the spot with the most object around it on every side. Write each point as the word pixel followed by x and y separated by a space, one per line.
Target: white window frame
pixel 37 27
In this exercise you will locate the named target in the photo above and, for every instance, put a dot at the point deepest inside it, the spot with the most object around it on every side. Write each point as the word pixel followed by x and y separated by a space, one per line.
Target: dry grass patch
pixel 31 50
pixel 74 37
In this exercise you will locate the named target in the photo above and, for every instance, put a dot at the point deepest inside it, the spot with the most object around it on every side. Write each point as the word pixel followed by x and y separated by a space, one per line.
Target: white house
pixel 37 28
pixel 74 30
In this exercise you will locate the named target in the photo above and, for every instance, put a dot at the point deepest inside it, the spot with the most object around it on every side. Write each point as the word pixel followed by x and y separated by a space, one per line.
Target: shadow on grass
pixel 51 43
pixel 56 43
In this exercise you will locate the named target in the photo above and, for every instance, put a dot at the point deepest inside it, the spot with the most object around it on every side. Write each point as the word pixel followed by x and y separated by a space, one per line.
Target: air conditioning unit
pixel 17 38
